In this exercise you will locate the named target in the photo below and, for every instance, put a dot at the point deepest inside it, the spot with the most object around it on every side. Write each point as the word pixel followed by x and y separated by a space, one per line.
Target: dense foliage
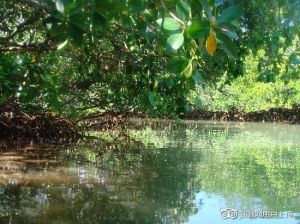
pixel 247 93
pixel 70 56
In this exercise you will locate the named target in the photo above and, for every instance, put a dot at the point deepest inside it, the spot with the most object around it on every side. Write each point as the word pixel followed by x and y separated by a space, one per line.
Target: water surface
pixel 175 172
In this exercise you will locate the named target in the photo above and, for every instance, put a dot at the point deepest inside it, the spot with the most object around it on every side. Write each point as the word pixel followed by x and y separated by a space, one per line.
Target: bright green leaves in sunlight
pixel 168 24
pixel 175 41
pixel 173 28
pixel 188 33
pixel 183 29
pixel 141 54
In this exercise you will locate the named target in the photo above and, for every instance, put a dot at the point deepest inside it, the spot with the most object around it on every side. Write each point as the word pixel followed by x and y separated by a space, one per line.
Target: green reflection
pixel 155 178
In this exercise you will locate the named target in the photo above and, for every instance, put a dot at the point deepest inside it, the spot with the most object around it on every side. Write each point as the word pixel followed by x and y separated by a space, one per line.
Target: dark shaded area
pixel 280 115
pixel 39 127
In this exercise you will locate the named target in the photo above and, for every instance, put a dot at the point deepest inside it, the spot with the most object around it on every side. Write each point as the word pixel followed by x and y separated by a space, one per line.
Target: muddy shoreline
pixel 276 115
pixel 49 127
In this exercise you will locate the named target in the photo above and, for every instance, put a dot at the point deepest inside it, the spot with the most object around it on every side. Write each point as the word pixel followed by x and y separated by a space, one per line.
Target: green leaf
pixel 227 45
pixel 80 20
pixel 175 41
pixel 156 82
pixel 170 83
pixel 198 29
pixel 99 21
pixel 230 14
pixel 62 45
pixel 177 64
pixel 229 31
pixel 152 98
pixel 183 10
pixel 187 72
pixel 206 8
pixel 197 77
pixel 60 6
pixel 168 24
pixel 196 7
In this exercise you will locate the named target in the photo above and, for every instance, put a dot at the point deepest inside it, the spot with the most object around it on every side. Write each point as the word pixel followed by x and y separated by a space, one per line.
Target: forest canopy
pixel 72 56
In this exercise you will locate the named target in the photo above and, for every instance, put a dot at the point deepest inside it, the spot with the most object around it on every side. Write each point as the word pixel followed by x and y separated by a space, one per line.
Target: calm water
pixel 191 172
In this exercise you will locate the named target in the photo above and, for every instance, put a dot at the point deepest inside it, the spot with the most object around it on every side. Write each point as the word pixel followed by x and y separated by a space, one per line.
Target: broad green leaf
pixel 156 82
pixel 196 6
pixel 229 31
pixel 62 45
pixel 230 14
pixel 198 29
pixel 187 72
pixel 197 77
pixel 168 24
pixel 206 8
pixel 183 10
pixel 177 64
pixel 170 83
pixel 227 45
pixel 235 23
pixel 60 6
pixel 175 41
pixel 80 20
pixel 152 98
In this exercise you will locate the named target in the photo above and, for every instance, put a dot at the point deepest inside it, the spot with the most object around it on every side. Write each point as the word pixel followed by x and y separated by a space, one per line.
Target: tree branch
pixel 170 13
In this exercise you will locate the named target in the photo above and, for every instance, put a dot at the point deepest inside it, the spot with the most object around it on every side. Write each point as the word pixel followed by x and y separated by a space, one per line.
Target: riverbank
pixel 276 115
pixel 53 128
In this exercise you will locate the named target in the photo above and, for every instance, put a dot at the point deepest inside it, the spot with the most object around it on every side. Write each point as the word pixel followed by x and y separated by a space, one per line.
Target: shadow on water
pixel 178 173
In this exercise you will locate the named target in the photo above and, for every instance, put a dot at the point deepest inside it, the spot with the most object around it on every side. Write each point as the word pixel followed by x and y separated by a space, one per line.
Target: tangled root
pixel 39 127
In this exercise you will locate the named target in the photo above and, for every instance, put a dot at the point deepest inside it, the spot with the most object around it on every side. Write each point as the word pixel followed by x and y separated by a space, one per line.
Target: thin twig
pixel 170 13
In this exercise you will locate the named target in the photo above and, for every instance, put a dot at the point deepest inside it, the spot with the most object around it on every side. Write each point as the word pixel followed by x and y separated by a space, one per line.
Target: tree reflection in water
pixel 157 181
